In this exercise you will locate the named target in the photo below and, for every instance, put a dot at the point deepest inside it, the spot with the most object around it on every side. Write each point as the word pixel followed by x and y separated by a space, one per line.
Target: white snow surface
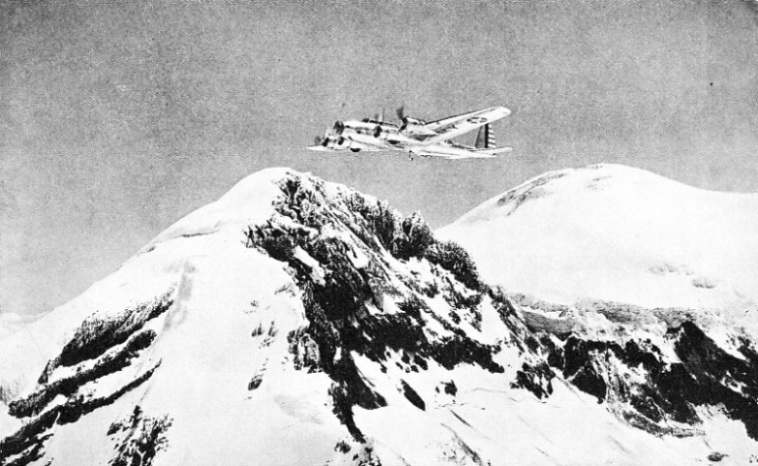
pixel 569 240
pixel 615 233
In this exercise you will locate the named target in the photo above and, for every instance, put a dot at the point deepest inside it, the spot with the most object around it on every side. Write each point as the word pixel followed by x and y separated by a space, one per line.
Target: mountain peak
pixel 248 201
pixel 291 299
pixel 595 184
pixel 617 233
pixel 306 322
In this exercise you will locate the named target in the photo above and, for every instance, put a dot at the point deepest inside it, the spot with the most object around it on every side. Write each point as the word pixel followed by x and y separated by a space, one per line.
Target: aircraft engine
pixel 332 142
pixel 339 127
pixel 413 121
pixel 410 122
pixel 415 126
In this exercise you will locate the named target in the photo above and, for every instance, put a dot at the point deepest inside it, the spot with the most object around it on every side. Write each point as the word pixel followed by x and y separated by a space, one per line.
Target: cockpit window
pixel 339 127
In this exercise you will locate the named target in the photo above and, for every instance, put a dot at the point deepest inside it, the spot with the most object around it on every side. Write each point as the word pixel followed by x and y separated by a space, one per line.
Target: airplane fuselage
pixel 413 136
pixel 377 133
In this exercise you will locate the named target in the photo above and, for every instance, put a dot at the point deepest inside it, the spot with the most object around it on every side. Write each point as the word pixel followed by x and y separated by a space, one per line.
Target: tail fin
pixel 485 139
pixel 485 142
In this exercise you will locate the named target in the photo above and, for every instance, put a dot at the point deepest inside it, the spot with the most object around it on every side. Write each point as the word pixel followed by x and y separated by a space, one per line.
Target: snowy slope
pixel 619 267
pixel 615 233
pixel 11 323
pixel 296 321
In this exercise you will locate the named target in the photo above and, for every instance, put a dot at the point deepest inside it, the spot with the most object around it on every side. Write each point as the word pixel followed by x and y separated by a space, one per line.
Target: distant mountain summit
pixel 297 321
pixel 617 233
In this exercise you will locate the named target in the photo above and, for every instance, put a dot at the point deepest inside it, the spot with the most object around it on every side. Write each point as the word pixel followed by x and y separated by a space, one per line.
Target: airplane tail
pixel 485 139
pixel 485 142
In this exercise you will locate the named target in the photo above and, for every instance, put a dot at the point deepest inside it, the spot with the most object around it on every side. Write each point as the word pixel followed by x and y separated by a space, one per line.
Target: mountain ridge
pixel 298 321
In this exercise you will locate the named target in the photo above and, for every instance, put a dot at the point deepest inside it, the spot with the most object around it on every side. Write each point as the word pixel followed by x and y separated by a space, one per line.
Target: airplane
pixel 417 137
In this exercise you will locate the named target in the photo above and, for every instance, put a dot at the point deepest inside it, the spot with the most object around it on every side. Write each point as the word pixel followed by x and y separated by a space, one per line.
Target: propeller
pixel 401 112
pixel 379 117
pixel 322 140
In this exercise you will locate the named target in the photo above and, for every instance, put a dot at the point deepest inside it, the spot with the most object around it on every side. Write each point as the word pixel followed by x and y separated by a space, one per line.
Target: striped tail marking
pixel 485 139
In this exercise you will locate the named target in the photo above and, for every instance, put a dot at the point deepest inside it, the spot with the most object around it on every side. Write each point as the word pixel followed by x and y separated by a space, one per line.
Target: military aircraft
pixel 417 137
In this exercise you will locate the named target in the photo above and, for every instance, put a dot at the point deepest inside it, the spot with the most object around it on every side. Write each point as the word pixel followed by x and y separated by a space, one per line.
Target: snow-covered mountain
pixel 606 260
pixel 296 321
pixel 617 233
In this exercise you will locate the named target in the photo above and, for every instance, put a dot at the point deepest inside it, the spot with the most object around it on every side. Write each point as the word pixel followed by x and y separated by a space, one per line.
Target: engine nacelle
pixel 383 131
pixel 412 121
pixel 415 126
pixel 340 143
pixel 339 127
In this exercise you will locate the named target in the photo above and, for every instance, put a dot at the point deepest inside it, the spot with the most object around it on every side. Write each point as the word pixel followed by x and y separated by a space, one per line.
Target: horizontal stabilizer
pixel 496 150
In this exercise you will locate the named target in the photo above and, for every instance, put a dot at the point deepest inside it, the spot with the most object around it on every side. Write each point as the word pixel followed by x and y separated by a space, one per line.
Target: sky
pixel 118 118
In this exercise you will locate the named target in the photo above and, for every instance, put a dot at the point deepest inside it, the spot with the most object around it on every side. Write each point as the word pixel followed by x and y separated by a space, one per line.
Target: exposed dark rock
pixel 341 322
pixel 31 434
pixel 643 423
pixel 31 455
pixel 537 379
pixel 411 395
pixel 142 437
pixel 712 368
pixel 342 447
pixel 258 331
pixel 589 381
pixel 96 336
pixel 255 382
pixel 716 456
pixel 36 402
pixel 502 304
pixel 671 391
pixel 415 239
pixel 453 258
pixel 337 306
pixel 455 350
pixel 450 388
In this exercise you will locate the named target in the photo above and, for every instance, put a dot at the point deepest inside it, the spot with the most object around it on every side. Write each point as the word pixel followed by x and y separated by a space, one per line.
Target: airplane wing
pixel 451 127
pixel 354 146
pixel 437 124
pixel 448 151
pixel 362 148
pixel 320 148
pixel 368 148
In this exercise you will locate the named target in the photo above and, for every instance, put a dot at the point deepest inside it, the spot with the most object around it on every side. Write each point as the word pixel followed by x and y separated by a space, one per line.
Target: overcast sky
pixel 118 118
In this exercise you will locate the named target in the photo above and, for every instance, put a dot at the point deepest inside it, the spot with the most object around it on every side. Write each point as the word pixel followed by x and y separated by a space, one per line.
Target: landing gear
pixel 355 149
